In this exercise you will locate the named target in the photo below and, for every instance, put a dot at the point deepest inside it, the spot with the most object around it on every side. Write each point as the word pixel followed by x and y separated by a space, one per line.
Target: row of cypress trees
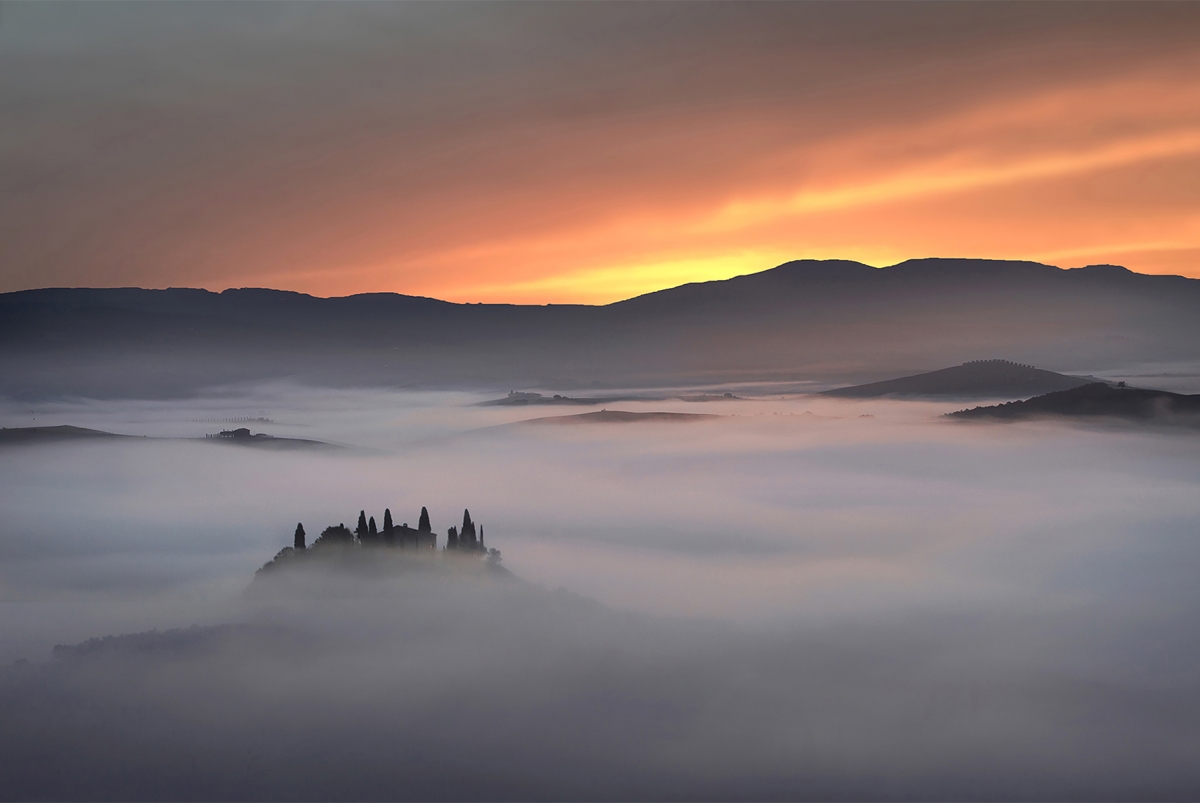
pixel 367 533
pixel 466 539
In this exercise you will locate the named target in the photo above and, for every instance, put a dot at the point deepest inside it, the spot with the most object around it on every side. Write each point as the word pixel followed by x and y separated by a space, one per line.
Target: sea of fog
pixel 801 598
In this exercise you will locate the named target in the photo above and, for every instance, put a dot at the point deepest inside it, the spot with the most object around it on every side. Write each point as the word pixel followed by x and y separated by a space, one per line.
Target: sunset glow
pixel 547 193
pixel 802 359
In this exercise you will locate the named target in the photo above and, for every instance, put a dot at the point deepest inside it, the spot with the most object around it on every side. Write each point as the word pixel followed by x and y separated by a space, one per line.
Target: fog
pixel 805 598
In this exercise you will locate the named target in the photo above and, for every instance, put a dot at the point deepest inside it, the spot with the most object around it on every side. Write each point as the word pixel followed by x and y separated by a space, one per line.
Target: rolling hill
pixel 1097 400
pixel 979 379
pixel 833 321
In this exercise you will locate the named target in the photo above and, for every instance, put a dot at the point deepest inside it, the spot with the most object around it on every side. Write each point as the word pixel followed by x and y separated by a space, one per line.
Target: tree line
pixel 468 538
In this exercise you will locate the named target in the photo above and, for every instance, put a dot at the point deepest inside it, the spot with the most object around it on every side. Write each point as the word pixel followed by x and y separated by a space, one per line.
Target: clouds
pixel 584 152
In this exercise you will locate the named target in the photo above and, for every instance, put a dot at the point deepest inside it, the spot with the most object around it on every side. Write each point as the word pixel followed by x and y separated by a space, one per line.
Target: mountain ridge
pixel 788 269
pixel 827 320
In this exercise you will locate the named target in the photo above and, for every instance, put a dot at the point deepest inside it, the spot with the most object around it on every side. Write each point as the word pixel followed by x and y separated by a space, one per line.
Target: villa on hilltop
pixel 467 540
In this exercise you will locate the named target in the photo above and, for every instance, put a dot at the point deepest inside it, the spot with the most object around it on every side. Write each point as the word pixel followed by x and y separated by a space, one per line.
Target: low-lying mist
pixel 803 598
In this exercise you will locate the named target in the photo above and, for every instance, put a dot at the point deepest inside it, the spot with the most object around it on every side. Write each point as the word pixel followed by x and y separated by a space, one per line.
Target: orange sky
pixel 542 153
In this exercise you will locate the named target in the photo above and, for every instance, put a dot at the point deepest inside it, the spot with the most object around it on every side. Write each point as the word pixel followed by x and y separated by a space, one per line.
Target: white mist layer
pixel 1009 601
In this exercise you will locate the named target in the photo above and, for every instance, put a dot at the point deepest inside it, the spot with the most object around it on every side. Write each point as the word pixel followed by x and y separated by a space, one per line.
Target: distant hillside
pixel 981 378
pixel 823 320
pixel 621 417
pixel 11 436
pixel 15 435
pixel 1095 401
pixel 524 399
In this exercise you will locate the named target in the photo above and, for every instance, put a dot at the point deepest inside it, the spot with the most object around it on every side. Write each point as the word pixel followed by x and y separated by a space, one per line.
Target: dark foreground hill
pixel 980 378
pixel 826 320
pixel 1098 400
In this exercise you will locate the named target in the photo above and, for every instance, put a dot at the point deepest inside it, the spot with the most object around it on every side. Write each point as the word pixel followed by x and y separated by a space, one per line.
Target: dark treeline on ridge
pixel 1097 400
pixel 368 535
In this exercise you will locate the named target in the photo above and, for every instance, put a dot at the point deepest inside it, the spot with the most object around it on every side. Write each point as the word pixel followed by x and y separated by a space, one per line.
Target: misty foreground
pixel 428 685
pixel 868 602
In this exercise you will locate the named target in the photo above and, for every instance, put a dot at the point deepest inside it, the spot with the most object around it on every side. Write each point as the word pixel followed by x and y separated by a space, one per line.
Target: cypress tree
pixel 299 537
pixel 482 548
pixel 423 524
pixel 371 529
pixel 388 533
pixel 361 529
pixel 452 539
pixel 467 534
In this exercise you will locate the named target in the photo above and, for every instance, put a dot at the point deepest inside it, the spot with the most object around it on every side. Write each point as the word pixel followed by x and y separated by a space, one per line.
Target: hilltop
pixel 373 551
pixel 622 417
pixel 12 436
pixel 826 320
pixel 517 398
pixel 980 378
pixel 1097 400
pixel 65 432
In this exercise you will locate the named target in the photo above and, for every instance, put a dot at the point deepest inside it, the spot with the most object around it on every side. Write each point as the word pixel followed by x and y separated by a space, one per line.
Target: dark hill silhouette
pixel 260 440
pixel 620 417
pixel 1097 400
pixel 62 433
pixel 16 435
pixel 980 378
pixel 806 319
pixel 524 399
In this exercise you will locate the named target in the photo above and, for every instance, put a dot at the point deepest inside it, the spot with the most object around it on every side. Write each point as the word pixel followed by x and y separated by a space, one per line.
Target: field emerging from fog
pixel 833 597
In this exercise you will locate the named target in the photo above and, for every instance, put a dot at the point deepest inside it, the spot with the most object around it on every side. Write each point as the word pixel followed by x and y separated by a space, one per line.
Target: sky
pixel 587 152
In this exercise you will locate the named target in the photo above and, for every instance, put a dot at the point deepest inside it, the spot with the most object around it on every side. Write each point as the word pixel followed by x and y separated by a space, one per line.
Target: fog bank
pixel 805 599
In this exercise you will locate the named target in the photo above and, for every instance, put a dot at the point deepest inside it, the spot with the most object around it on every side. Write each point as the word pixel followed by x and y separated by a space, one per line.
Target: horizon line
pixel 586 304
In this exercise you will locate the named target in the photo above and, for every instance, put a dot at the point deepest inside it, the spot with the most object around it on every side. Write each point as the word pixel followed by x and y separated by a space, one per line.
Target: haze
pixel 804 598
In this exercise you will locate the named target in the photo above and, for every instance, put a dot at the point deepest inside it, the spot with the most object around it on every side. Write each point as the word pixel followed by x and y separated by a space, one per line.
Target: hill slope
pixel 64 432
pixel 621 417
pixel 980 378
pixel 806 319
pixel 1097 400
